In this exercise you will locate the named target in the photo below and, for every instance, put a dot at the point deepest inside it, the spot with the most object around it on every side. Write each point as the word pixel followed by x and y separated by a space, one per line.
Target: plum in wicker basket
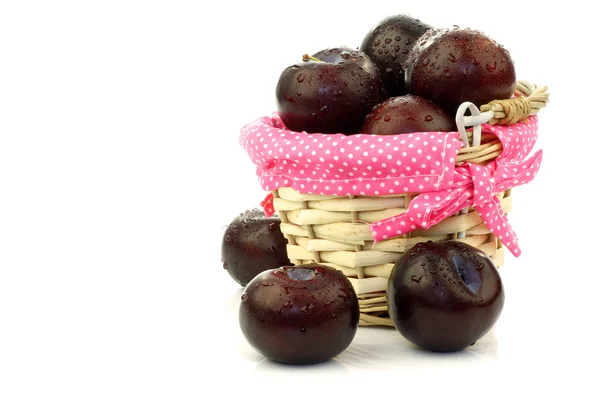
pixel 358 202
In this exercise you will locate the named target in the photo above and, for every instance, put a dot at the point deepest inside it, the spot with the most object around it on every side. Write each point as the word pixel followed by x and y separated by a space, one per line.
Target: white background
pixel 119 168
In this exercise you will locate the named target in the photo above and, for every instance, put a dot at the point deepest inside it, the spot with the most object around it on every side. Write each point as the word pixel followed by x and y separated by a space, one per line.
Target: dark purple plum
pixel 406 114
pixel 253 243
pixel 388 45
pixel 331 95
pixel 451 66
pixel 299 315
pixel 444 296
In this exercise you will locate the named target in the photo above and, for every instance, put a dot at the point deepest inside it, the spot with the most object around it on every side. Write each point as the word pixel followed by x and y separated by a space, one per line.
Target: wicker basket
pixel 334 230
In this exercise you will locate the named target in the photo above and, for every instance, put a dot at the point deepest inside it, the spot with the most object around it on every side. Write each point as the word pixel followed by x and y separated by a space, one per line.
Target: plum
pixel 302 314
pixel 406 114
pixel 328 95
pixel 451 66
pixel 444 296
pixel 253 243
pixel 388 45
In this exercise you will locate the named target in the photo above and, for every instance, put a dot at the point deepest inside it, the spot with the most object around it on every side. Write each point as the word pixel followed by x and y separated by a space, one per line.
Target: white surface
pixel 112 204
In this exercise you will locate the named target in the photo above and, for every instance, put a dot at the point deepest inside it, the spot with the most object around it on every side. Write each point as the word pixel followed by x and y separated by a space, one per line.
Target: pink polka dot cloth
pixel 421 162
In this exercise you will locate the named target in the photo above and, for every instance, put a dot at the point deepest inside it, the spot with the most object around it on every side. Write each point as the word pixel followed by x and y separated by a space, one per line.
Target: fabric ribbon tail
pixel 494 218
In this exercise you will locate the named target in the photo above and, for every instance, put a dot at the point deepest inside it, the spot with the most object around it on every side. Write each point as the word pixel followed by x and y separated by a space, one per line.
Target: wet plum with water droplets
pixel 331 95
pixel 450 310
pixel 451 66
pixel 406 114
pixel 403 30
pixel 253 243
pixel 299 315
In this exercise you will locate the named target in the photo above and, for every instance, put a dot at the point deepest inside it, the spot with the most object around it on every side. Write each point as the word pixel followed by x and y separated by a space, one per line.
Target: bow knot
pixel 474 185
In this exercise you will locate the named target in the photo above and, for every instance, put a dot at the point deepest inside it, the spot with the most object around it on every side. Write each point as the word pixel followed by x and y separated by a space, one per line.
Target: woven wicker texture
pixel 333 230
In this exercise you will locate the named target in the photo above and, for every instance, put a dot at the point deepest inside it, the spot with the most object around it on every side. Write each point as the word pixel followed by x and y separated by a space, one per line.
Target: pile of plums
pixel 442 296
pixel 406 76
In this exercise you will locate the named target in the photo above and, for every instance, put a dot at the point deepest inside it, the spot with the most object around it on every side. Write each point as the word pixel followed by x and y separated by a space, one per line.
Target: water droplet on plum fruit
pixel 225 266
pixel 288 304
pixel 491 68
pixel 377 42
pixel 428 118
pixel 228 239
pixel 333 316
pixel 342 294
pixel 387 118
pixel 426 62
pixel 451 57
pixel 267 283
pixel 244 297
pixel 307 308
pixel 388 41
pixel 481 299
pixel 416 278
pixel 303 330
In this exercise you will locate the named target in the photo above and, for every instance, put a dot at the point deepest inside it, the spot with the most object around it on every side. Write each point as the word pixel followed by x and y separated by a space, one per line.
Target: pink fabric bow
pixel 474 185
